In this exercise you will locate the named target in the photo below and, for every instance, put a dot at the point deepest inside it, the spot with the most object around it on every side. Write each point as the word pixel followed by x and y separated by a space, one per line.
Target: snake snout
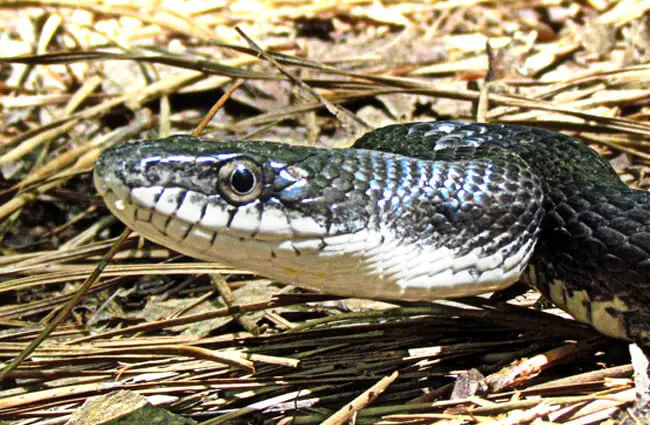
pixel 153 164
pixel 108 175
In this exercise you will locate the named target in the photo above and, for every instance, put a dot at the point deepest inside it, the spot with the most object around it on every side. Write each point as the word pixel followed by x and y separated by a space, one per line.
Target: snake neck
pixel 593 254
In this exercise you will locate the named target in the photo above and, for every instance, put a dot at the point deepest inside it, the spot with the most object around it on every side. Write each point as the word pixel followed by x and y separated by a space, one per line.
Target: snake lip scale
pixel 414 211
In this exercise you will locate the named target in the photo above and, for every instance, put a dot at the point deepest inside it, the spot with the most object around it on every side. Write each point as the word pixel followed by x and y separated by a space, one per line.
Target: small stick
pixel 218 105
pixel 368 396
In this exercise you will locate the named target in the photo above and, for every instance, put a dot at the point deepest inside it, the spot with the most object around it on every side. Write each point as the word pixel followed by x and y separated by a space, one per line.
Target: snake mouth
pixel 191 239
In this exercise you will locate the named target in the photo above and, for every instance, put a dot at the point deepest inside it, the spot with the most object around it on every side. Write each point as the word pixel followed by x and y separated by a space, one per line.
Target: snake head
pixel 181 182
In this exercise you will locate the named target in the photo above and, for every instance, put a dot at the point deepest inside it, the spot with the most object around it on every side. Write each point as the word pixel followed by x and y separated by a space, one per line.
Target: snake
pixel 417 211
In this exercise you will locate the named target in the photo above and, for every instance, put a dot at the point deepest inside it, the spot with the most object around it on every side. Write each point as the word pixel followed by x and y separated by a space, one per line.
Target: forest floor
pixel 219 346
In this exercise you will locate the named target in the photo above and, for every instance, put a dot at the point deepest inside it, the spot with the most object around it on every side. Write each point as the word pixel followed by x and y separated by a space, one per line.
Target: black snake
pixel 413 211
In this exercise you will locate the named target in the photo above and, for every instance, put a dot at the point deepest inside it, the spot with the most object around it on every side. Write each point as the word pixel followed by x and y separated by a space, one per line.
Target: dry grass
pixel 223 346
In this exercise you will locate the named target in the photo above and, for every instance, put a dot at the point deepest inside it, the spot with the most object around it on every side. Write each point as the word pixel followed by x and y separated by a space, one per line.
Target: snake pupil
pixel 242 180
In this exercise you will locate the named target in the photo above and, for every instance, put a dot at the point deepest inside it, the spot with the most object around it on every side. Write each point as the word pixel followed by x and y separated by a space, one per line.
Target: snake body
pixel 412 211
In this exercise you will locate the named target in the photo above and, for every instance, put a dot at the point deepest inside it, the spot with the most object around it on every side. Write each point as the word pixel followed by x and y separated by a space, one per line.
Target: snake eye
pixel 240 180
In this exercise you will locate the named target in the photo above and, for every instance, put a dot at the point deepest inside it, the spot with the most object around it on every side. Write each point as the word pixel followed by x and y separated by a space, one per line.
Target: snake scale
pixel 415 211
